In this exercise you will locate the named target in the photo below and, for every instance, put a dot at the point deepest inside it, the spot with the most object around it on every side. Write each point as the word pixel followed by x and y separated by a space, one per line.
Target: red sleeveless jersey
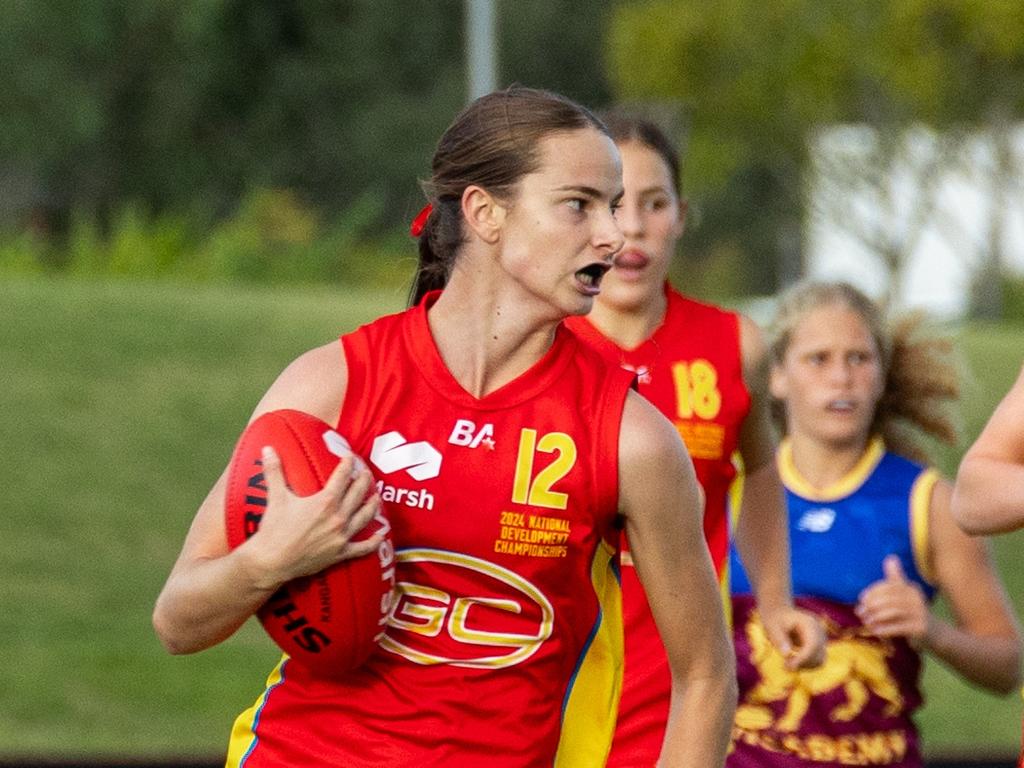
pixel 504 646
pixel 691 368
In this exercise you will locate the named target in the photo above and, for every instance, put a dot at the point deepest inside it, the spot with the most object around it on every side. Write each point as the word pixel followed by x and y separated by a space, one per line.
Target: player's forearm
pixel 763 540
pixel 991 662
pixel 704 692
pixel 989 495
pixel 207 601
pixel 700 721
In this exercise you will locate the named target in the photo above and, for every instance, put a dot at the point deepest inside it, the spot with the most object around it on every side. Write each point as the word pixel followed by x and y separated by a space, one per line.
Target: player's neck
pixel 485 340
pixel 631 326
pixel 822 464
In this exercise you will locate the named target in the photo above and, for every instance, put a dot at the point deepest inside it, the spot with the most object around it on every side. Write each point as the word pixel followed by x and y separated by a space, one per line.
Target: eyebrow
pixel 590 192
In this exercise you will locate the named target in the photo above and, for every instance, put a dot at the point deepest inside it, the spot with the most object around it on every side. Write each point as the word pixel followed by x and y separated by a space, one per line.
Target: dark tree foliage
pixel 185 106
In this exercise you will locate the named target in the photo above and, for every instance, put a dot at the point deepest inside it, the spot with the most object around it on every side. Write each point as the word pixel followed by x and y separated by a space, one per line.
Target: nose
pixel 608 238
pixel 630 220
pixel 841 371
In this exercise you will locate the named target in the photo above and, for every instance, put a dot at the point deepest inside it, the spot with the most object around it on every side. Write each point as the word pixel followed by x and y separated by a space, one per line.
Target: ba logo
pixel 433 621
pixel 391 452
pixel 465 433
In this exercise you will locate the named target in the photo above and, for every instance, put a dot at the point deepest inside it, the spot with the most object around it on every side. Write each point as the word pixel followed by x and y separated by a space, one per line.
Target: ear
pixel 483 213
pixel 680 224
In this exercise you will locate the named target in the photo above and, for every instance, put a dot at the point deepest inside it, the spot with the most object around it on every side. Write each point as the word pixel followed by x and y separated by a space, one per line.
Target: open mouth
pixel 590 276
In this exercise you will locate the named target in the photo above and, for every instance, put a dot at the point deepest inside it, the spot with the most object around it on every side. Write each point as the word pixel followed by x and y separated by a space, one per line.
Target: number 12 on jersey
pixel 536 491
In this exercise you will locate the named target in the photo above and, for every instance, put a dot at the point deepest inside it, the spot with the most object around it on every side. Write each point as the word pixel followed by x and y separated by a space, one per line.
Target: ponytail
pixel 431 272
pixel 439 240
pixel 921 384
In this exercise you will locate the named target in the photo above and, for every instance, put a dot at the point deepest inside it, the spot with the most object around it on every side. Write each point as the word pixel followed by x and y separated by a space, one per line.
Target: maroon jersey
pixel 504 645
pixel 853 710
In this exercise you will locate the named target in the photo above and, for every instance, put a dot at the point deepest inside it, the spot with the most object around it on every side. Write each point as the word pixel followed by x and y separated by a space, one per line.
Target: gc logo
pixel 452 608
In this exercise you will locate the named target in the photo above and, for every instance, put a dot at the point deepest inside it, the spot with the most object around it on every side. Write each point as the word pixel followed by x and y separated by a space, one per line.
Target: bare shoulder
pixel 752 345
pixel 315 382
pixel 646 435
pixel 654 465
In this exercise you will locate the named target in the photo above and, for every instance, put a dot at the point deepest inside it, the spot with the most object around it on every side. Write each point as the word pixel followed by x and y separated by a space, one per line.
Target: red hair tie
pixel 416 228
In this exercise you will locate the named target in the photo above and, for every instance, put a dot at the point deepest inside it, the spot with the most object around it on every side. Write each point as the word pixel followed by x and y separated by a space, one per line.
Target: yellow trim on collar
pixel 920 504
pixel 843 487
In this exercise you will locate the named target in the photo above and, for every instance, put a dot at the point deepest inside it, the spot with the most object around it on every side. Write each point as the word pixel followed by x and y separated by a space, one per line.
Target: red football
pixel 331 621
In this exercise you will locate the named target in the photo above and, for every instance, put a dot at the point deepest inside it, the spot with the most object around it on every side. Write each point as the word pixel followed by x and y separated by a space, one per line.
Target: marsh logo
pixel 817 520
pixel 391 453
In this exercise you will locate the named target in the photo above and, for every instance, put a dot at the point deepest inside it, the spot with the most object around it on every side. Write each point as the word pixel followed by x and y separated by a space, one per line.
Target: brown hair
pixel 492 143
pixel 920 377
pixel 625 128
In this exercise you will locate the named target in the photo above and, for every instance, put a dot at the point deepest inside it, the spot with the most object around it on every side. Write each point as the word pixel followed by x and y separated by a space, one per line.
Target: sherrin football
pixel 331 621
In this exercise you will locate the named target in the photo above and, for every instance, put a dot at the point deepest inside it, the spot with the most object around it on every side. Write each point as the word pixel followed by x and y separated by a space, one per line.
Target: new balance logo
pixel 391 453
pixel 817 520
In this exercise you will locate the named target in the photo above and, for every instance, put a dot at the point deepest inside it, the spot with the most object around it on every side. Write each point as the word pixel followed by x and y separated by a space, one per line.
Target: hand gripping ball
pixel 331 621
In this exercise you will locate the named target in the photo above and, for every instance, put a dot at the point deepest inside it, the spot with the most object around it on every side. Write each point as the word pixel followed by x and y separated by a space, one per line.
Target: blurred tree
pixel 758 79
pixel 558 46
pixel 187 107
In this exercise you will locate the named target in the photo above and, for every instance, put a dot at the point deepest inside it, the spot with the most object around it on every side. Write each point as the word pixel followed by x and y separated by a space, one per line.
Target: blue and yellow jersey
pixel 856 708
pixel 838 536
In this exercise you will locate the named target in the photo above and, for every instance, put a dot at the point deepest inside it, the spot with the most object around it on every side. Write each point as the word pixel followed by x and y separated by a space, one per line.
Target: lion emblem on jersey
pixel 853 663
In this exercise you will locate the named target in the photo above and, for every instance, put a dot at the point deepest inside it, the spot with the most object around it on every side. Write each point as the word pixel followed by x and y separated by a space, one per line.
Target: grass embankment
pixel 119 404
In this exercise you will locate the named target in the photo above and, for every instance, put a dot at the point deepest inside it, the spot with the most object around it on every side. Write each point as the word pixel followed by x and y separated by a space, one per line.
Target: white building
pixel 941 200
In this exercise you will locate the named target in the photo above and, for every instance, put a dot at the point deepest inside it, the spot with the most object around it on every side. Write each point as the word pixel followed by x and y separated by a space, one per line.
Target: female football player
pixel 872 542
pixel 699 365
pixel 504 645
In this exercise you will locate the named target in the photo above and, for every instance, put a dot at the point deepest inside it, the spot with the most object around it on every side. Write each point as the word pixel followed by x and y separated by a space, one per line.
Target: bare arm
pixel 663 507
pixel 211 591
pixel 761 534
pixel 983 644
pixel 989 495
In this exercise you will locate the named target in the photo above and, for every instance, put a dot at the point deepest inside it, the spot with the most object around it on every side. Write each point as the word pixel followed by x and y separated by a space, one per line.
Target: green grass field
pixel 119 405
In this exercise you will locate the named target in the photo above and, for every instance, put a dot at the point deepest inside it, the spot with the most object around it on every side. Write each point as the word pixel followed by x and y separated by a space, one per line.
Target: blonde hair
pixel 920 376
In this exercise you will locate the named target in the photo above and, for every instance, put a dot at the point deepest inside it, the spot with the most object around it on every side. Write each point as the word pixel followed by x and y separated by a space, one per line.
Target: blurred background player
pixel 872 541
pixel 989 493
pixel 500 650
pixel 699 365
